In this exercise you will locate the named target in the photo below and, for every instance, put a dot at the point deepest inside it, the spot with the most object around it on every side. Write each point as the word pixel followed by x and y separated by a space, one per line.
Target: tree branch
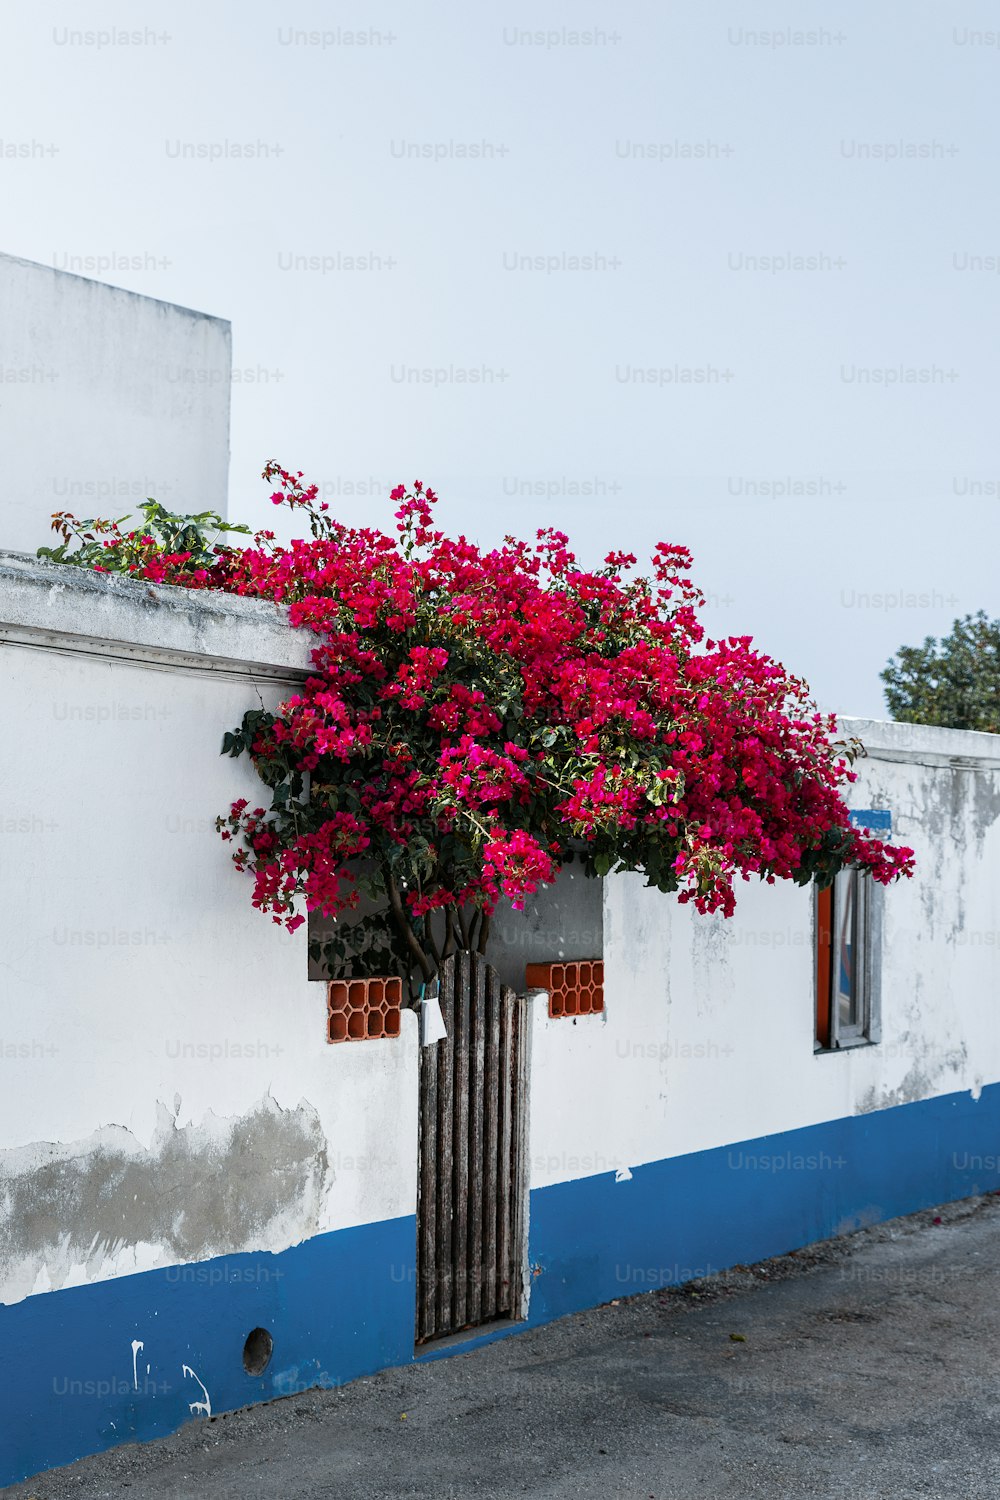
pixel 430 940
pixel 405 930
pixel 450 933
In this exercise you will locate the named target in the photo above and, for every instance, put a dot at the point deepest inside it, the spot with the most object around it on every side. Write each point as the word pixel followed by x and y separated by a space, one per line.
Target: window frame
pixel 829 1034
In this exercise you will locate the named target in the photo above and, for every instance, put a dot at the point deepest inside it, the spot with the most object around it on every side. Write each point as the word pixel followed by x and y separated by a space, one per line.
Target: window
pixel 848 962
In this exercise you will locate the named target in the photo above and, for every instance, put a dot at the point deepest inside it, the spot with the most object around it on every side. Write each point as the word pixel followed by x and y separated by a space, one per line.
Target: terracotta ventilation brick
pixel 361 1009
pixel 575 989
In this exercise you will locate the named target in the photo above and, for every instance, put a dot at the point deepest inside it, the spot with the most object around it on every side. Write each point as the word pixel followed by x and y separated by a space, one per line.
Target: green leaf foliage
pixel 953 682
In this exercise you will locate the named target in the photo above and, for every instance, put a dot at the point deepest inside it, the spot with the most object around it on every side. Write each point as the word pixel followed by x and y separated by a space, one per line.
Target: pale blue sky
pixel 778 161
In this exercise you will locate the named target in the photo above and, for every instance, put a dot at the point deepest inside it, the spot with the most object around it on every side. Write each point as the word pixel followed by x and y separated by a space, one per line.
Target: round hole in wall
pixel 257 1351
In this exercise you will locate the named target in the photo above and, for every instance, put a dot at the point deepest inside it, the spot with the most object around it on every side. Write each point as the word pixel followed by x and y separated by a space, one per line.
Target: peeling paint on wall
pixel 712 969
pixel 957 810
pixel 250 1182
pixel 930 1073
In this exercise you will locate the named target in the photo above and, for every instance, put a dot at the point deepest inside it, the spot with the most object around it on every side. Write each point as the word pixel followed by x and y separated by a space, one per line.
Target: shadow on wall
pixel 562 921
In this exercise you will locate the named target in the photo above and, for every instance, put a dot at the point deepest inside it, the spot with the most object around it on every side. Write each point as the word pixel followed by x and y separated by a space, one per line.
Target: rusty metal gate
pixel 471 1186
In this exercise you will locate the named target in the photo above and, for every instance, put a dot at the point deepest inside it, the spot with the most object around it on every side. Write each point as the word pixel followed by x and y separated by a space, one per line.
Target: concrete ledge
pixel 925 744
pixel 62 608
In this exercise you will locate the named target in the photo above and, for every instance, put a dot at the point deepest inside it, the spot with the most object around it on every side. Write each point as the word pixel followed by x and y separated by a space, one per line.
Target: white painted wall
pixel 128 935
pixel 133 965
pixel 707 1035
pixel 106 398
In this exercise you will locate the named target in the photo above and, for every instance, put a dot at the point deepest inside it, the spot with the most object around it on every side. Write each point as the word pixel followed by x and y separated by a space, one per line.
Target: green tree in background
pixel 954 682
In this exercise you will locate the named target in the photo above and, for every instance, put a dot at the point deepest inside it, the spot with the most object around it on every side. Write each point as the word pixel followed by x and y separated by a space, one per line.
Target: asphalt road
pixel 864 1368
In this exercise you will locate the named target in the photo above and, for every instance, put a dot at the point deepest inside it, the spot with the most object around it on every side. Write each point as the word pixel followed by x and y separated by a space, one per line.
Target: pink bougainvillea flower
pixel 476 717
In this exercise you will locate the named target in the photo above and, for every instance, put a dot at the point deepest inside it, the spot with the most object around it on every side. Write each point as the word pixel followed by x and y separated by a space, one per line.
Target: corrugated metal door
pixel 470 1220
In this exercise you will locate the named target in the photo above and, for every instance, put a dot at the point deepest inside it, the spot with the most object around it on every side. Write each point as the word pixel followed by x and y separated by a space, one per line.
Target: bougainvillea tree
pixel 475 719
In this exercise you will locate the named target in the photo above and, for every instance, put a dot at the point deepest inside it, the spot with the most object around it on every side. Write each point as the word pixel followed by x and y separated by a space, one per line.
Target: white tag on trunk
pixel 432 1027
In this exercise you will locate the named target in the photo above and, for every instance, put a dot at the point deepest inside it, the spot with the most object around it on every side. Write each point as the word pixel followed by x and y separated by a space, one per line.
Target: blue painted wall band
pixel 341 1305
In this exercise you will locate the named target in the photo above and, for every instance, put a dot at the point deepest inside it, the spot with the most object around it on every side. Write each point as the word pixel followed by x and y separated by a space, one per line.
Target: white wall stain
pixel 137 1344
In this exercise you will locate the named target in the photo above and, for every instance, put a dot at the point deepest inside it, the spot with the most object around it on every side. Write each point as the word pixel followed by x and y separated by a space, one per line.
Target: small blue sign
pixel 875 820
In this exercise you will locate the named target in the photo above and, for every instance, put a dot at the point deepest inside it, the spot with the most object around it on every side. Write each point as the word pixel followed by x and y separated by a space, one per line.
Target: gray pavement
pixel 864 1368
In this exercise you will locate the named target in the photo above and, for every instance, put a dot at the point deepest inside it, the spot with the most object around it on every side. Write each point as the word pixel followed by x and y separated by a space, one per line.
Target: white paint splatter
pixel 198 1406
pixel 137 1344
pixel 623 1174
